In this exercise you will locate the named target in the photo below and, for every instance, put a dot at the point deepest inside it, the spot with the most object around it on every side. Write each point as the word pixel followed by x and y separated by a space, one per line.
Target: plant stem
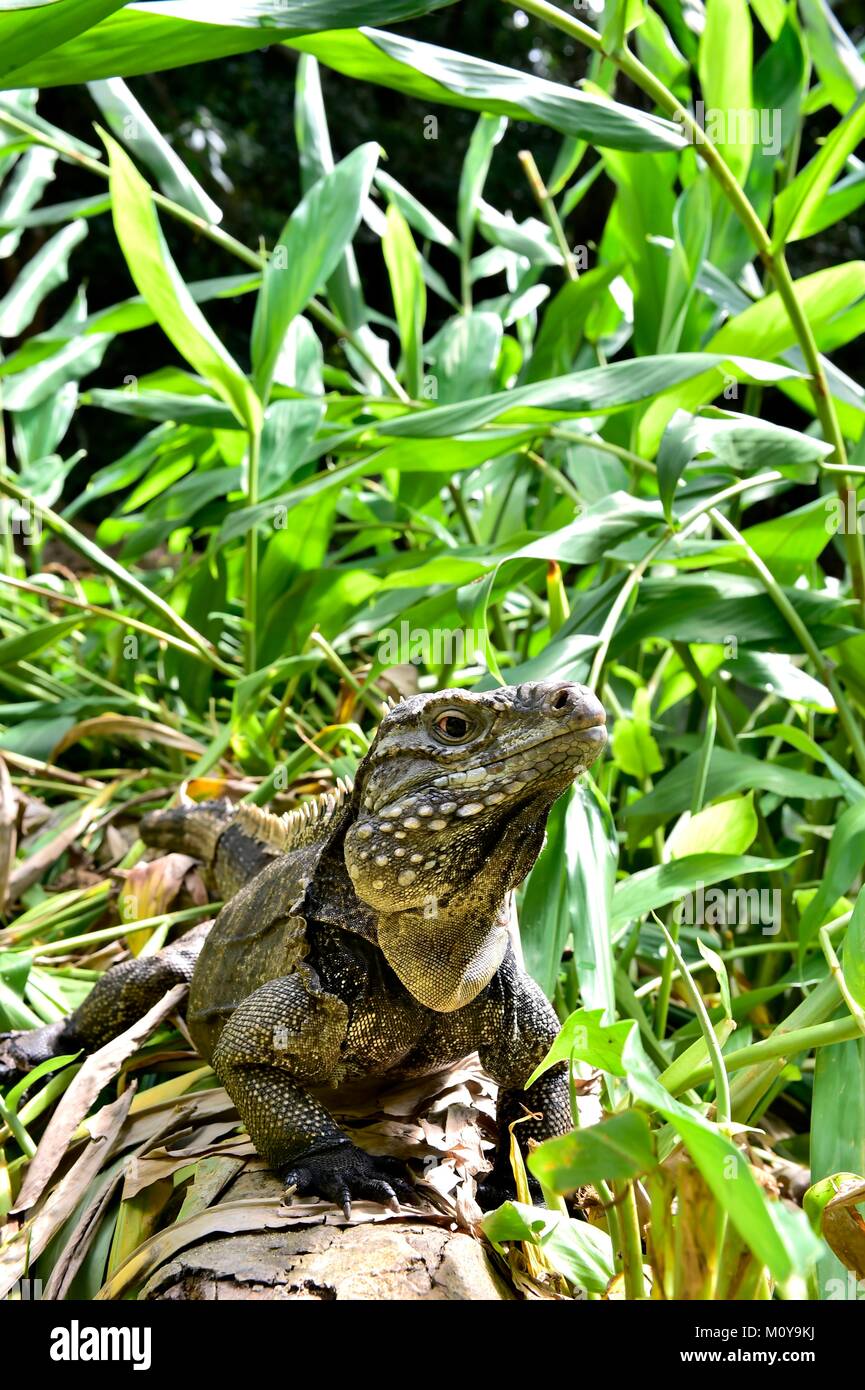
pixel 123 618
pixel 780 1047
pixel 800 628
pixel 548 209
pixel 713 1046
pixel 110 566
pixel 632 1248
pixel 250 558
pixel 838 976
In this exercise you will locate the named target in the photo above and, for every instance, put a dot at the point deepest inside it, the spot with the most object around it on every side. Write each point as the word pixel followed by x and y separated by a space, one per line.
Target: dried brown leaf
pixel 844 1227
pixel 34 1235
pixel 98 1069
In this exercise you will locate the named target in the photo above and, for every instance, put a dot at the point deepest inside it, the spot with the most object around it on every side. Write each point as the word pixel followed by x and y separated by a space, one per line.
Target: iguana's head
pixel 449 810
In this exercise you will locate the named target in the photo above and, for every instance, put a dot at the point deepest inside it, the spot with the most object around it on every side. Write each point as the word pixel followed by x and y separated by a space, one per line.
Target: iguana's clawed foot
pixel 20 1052
pixel 347 1172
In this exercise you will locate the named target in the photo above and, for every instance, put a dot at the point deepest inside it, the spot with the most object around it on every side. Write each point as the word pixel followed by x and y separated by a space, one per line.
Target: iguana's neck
pixel 445 956
pixel 441 909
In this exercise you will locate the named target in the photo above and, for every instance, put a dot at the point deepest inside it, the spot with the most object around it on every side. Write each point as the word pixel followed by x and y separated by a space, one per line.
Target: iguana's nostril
pixel 561 699
pixel 576 703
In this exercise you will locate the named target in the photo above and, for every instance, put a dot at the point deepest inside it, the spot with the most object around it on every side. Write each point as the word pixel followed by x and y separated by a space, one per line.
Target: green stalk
pixel 774 259
pixel 800 628
pixel 632 1248
pixel 250 559
pixel 716 1058
pixel 93 938
pixel 549 212
pixel 123 618
pixel 110 566
pixel 838 976
pixel 781 1046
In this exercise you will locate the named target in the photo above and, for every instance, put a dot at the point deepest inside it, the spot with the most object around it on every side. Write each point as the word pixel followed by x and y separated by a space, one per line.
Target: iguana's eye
pixel 453 727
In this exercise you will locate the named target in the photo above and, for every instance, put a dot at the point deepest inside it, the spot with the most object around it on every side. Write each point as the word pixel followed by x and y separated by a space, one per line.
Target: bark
pixel 386 1260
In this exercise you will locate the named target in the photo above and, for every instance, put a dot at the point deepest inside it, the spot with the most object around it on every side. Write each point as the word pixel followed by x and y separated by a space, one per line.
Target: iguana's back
pixel 261 864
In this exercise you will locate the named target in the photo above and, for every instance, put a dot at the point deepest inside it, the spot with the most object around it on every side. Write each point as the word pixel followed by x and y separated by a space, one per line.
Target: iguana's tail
pixel 217 833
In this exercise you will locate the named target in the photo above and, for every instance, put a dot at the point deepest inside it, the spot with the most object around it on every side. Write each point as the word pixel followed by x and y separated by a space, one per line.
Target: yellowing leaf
pixel 730 827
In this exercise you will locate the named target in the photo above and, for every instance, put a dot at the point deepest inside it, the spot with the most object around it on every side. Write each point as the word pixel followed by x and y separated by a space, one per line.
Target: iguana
pixel 367 936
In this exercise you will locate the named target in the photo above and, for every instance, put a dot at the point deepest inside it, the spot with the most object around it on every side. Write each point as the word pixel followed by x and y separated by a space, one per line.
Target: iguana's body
pixel 370 938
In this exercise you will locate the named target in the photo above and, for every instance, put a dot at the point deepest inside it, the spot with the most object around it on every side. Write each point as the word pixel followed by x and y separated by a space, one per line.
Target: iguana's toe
pixel 346 1173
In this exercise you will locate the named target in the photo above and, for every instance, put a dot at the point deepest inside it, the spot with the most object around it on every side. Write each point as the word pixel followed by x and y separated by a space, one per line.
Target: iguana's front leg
pixel 122 996
pixel 282 1039
pixel 522 1032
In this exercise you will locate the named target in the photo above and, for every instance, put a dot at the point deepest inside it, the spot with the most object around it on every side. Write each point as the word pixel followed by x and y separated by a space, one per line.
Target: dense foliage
pixel 353 444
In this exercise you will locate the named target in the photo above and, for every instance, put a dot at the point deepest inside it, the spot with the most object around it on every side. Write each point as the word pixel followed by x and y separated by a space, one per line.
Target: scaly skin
pixel 370 941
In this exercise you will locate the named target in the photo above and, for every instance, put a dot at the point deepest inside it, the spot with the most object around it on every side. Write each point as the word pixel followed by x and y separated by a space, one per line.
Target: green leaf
pixel 779 675
pixel 311 246
pixel 33 172
pixel 27 644
pixel 585 1038
pixel 836 58
pixel 764 330
pixel 485 136
pixel 154 272
pixel 634 748
pixel 36 384
pixel 464 354
pixel 414 212
pixel 597 390
pixel 720 970
pixel 409 295
pixel 569 890
pixel 844 861
pixel 853 791
pixel 616 1149
pixel 692 227
pixel 854 951
pixel 725 62
pixel 28 34
pixel 581 1253
pixel 564 321
pixel 42 274
pixel 442 76
pixel 129 122
pixel 728 773
pixel 730 827
pixel 798 205
pixel 150 38
pixel 665 883
pixel 289 429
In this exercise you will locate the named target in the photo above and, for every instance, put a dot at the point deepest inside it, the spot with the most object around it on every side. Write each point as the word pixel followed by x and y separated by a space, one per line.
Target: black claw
pixel 348 1173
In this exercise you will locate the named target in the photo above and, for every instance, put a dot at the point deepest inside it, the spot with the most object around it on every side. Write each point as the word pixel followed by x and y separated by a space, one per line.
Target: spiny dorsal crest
pixel 298 828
